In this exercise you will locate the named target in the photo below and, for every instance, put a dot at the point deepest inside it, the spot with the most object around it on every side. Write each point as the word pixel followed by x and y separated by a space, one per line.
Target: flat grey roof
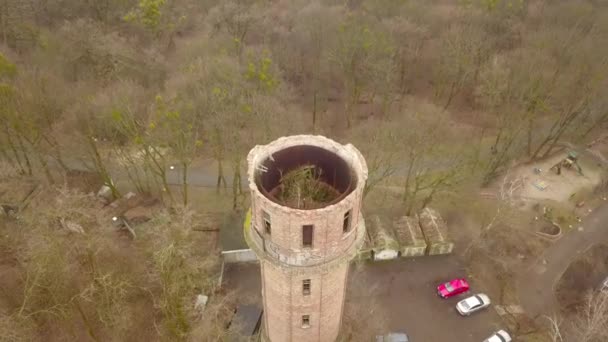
pixel 231 232
pixel 245 323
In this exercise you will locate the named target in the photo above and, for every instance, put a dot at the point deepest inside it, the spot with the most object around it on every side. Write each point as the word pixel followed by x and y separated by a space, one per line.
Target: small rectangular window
pixel 306 287
pixel 267 224
pixel 346 222
pixel 307 232
pixel 305 321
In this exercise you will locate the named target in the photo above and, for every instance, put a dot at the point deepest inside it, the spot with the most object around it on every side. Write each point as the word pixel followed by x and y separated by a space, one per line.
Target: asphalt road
pixel 197 176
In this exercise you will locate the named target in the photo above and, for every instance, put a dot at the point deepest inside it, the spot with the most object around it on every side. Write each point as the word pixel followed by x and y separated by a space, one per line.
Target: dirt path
pixel 536 284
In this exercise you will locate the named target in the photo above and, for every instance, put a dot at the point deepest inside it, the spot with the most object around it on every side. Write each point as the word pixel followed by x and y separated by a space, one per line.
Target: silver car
pixel 393 337
pixel 499 336
pixel 473 304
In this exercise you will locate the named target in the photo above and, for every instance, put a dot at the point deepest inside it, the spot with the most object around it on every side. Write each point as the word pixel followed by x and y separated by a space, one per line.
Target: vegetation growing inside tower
pixel 304 188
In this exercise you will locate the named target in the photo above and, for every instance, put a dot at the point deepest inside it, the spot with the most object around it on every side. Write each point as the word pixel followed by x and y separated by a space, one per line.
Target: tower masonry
pixel 306 226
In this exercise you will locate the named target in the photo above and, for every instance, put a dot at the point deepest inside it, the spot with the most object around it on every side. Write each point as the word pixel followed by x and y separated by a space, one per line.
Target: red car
pixel 452 288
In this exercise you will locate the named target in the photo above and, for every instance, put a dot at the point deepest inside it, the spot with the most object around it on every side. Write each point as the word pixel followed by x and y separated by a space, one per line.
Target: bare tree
pixel 507 196
pixel 361 51
pixel 588 324
pixel 181 130
pixel 379 144
pixel 464 49
pixel 310 42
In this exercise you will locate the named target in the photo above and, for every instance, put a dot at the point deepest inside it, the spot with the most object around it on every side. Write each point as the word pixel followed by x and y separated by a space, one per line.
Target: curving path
pixel 536 284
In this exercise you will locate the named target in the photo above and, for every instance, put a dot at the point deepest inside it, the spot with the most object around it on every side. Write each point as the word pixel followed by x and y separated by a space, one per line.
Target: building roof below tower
pixel 231 232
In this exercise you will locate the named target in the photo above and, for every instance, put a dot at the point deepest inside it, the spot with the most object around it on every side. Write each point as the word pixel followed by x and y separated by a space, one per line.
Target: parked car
pixel 452 288
pixel 393 337
pixel 499 336
pixel 473 304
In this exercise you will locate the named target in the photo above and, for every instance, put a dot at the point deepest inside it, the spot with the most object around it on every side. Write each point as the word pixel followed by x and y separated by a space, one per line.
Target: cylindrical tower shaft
pixel 306 225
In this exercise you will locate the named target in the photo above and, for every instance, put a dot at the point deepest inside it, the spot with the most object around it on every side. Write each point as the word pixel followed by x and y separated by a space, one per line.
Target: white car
pixel 473 304
pixel 499 336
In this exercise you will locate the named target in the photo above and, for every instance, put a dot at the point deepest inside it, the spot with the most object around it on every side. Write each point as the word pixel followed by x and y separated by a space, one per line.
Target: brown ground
pixel 536 281
pixel 560 187
pixel 583 274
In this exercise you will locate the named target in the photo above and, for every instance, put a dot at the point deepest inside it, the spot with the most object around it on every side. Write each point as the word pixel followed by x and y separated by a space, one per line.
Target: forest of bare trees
pixel 440 96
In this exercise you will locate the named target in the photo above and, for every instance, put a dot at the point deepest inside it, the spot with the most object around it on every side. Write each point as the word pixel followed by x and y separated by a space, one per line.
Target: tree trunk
pixel 13 148
pixel 540 147
pixel 238 178
pixel 45 168
pixel 552 144
pixel 478 152
pixel 596 124
pixel 530 128
pixel 402 77
pixel 86 321
pixel 28 164
pixel 413 194
pixel 185 182
pixel 220 176
pixel 6 156
pixel 406 187
pixel 450 95
pixel 3 24
pixel 347 109
pixel 101 169
pixel 56 151
pixel 235 187
pixel 159 168
pixel 428 199
pixel 314 110
pixel 133 170
pixel 558 128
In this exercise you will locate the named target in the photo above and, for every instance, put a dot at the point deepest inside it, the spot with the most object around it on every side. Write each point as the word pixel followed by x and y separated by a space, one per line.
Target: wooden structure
pixel 569 162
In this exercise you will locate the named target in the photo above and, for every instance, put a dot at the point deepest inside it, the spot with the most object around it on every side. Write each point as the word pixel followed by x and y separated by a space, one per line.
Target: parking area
pixel 400 295
pixel 394 295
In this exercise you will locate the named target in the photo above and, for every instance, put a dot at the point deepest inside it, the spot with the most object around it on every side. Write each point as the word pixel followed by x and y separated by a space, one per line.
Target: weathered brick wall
pixel 285 263
pixel 286 235
pixel 332 301
pixel 329 241
pixel 284 303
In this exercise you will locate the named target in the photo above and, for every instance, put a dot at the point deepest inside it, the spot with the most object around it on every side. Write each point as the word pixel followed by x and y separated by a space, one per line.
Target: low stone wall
pixel 241 255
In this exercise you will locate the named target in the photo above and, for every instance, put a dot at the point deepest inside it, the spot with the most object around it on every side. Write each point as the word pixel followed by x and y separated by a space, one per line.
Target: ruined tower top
pixel 306 192
pixel 306 171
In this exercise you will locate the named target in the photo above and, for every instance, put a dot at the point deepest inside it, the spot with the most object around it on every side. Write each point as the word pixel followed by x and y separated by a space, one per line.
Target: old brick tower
pixel 306 225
